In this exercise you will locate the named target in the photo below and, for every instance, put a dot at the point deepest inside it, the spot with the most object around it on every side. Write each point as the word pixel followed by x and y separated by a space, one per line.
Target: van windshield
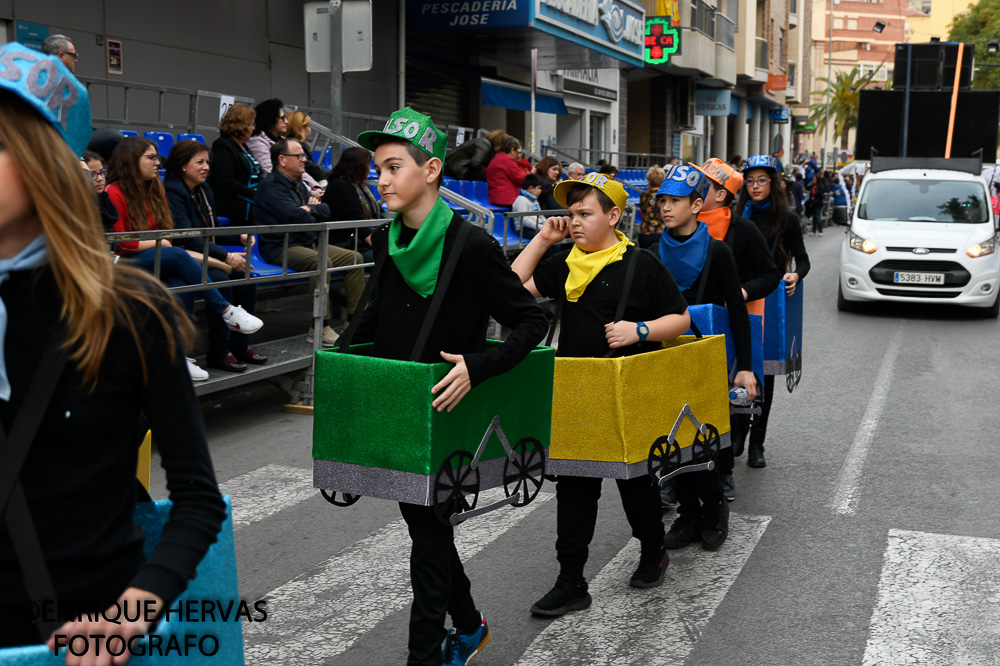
pixel 923 200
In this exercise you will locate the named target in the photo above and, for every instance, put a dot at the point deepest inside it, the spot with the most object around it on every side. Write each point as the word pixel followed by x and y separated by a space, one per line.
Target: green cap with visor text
pixel 411 126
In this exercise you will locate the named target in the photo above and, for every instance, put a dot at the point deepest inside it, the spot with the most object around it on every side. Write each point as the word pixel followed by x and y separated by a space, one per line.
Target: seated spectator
pixel 349 198
pixel 575 171
pixel 192 206
pixel 609 170
pixel 525 164
pixel 503 175
pixel 97 168
pixel 282 198
pixel 469 160
pixel 652 215
pixel 135 186
pixel 551 173
pixel 270 124
pixel 300 129
pixel 527 200
pixel 235 171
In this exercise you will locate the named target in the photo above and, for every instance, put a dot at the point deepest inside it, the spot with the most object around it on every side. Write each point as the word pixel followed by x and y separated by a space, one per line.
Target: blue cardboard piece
pixel 215 580
pixel 714 320
pixel 783 331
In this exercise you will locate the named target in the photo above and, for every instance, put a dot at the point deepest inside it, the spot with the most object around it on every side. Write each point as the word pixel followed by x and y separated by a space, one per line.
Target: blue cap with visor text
pixel 761 162
pixel 50 88
pixel 683 179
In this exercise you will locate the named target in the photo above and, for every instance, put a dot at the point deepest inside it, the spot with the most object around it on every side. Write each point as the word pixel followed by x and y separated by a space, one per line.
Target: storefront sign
pixel 711 102
pixel 615 25
pixel 589 89
pixel 779 116
pixel 777 82
pixel 806 128
pixel 464 15
pixel 663 40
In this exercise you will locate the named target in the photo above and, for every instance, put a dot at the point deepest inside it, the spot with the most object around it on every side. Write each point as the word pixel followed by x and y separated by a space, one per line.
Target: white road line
pixel 627 626
pixel 845 492
pixel 266 491
pixel 321 613
pixel 938 602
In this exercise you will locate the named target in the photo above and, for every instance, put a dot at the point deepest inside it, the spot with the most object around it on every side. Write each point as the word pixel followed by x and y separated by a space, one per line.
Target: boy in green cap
pixel 415 246
pixel 591 279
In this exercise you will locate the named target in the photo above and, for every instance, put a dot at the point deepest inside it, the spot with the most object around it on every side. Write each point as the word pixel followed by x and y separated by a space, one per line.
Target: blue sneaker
pixel 728 487
pixel 668 496
pixel 460 647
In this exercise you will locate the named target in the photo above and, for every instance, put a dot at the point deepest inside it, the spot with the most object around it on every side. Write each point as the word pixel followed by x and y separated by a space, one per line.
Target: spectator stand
pixel 288 356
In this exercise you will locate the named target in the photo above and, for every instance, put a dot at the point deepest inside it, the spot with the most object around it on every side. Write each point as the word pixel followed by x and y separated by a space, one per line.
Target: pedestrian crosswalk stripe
pixel 321 613
pixel 938 601
pixel 626 625
pixel 267 490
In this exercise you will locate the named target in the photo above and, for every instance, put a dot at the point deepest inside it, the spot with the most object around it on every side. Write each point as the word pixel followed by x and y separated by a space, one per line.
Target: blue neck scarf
pixel 750 208
pixel 33 256
pixel 685 259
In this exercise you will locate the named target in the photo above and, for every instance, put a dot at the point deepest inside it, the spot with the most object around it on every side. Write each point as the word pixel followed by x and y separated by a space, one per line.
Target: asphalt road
pixel 896 412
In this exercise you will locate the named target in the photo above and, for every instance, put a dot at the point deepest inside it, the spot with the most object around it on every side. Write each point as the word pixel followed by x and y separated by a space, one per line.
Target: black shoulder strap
pixel 439 291
pixel 705 272
pixel 14 449
pixel 626 288
pixel 555 319
pixel 344 343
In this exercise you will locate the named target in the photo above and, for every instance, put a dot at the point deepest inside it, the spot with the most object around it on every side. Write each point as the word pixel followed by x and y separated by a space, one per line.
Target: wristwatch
pixel 642 330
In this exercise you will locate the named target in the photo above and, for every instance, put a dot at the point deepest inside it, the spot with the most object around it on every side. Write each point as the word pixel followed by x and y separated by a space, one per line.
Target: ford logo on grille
pixel 921 250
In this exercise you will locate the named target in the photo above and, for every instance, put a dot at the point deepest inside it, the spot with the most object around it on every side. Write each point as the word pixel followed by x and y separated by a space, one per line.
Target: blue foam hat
pixel 683 179
pixel 761 162
pixel 50 88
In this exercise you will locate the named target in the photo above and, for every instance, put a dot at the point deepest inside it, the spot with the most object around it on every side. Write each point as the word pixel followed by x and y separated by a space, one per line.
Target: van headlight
pixel 983 249
pixel 861 245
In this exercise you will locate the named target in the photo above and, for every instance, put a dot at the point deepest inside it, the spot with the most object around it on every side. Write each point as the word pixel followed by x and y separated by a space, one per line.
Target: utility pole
pixel 336 67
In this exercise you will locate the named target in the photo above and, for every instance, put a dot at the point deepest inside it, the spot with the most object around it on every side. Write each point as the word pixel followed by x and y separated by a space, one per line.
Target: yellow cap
pixel 601 181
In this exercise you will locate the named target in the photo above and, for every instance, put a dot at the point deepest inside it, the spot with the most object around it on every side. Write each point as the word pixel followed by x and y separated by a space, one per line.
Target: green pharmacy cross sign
pixel 662 40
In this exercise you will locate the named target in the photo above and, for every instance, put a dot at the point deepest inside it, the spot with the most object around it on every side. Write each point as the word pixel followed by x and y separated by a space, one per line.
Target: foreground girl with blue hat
pixel 91 355
pixel 764 201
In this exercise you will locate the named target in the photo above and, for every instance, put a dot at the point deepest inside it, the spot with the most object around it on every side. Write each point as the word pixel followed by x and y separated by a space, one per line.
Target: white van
pixel 922 235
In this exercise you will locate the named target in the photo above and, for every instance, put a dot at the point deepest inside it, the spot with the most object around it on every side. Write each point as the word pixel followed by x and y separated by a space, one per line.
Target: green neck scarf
pixel 420 261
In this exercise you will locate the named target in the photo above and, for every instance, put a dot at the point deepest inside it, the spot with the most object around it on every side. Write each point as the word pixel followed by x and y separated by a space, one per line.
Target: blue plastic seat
pixel 260 267
pixel 482 195
pixel 327 162
pixel 190 137
pixel 164 142
pixel 129 133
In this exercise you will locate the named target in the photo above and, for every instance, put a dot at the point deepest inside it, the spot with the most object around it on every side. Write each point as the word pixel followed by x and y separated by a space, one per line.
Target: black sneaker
pixel 714 525
pixel 728 486
pixel 652 567
pixel 566 596
pixel 755 456
pixel 682 532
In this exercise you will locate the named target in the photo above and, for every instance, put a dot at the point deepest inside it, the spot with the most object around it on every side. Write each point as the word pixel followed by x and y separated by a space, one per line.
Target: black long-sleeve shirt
pixel 722 287
pixel 79 476
pixel 791 241
pixel 483 285
pixel 758 273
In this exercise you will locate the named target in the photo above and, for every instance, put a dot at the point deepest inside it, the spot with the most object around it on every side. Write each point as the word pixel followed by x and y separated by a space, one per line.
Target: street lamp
pixel 993 47
pixel 879 26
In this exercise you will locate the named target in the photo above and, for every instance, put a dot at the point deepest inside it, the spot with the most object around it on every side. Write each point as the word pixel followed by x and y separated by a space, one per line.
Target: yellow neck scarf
pixel 585 266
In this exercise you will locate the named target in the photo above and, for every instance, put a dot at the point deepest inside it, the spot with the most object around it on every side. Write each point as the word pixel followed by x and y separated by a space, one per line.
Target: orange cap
pixel 722 174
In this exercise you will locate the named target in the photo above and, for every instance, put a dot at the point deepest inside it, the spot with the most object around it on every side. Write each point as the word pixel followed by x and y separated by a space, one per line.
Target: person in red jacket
pixel 503 175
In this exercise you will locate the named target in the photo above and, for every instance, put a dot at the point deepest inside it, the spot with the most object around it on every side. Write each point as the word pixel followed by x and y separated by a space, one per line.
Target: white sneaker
pixel 241 321
pixel 197 374
pixel 330 336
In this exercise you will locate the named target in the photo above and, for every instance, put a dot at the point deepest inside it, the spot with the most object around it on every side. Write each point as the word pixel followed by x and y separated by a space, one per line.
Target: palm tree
pixel 844 95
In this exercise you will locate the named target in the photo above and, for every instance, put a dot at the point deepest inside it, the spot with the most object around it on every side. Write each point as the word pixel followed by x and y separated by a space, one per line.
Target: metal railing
pixel 171 104
pixel 760 52
pixel 622 159
pixel 725 31
pixel 703 18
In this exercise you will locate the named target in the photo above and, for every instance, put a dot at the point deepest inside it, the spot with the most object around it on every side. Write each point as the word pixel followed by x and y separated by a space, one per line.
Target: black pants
pixel 576 518
pixel 439 583
pixel 742 425
pixel 697 489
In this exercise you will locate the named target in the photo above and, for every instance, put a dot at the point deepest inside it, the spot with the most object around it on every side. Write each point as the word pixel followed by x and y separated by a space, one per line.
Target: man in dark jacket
pixel 282 198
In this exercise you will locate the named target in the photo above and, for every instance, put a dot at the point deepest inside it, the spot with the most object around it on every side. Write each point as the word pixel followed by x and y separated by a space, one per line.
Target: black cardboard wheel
pixel 526 471
pixel 705 446
pixel 794 374
pixel 345 499
pixel 455 482
pixel 664 457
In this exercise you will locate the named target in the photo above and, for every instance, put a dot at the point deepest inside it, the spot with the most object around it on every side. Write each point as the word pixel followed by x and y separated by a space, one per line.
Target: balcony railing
pixel 793 7
pixel 703 18
pixel 762 62
pixel 725 31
